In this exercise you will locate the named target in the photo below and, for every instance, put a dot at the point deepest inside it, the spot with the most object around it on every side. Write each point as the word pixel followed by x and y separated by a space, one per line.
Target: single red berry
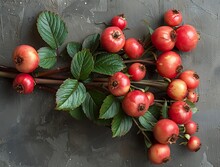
pixel 159 153
pixel 25 58
pixel 24 83
pixel 133 48
pixel 191 127
pixel 135 103
pixel 119 21
pixel 192 96
pixel 194 144
pixel 137 71
pixel 173 17
pixel 191 78
pixel 119 84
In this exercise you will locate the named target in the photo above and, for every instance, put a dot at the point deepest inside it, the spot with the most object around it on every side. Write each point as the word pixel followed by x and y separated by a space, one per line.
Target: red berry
pixel 133 48
pixel 159 153
pixel 169 64
pixel 135 103
pixel 173 17
pixel 119 84
pixel 137 71
pixel 24 83
pixel 112 39
pixel 180 112
pixel 119 21
pixel 177 89
pixel 191 127
pixel 25 58
pixel 191 78
pixel 194 144
pixel 166 131
pixel 192 96
pixel 150 97
pixel 164 38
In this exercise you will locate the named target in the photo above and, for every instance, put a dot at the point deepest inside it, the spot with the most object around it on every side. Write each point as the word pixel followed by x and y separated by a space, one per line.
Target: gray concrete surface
pixel 33 134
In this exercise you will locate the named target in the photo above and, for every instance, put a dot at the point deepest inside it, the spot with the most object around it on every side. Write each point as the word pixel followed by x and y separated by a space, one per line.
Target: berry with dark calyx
pixel 24 83
pixel 173 17
pixel 159 153
pixel 192 96
pixel 137 71
pixel 191 78
pixel 112 39
pixel 164 38
pixel 191 127
pixel 119 84
pixel 180 112
pixel 194 144
pixel 25 58
pixel 119 21
pixel 166 131
pixel 135 103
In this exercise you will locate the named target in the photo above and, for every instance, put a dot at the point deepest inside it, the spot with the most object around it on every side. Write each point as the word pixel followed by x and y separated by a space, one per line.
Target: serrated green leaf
pixel 108 64
pixel 110 107
pixel 192 106
pixel 70 95
pixel 77 113
pixel 164 110
pixel 73 48
pixel 147 121
pixel 91 42
pixel 121 124
pixel 92 104
pixel 47 57
pixel 82 65
pixel 52 29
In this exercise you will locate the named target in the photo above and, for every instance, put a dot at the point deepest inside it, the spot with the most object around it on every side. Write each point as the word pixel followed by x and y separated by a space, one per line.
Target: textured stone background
pixel 33 134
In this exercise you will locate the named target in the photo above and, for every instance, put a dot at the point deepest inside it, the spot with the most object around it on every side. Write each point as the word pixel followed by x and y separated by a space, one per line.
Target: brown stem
pixel 141 129
pixel 100 79
pixel 156 84
pixel 8 69
pixel 7 74
pixel 97 83
pixel 48 81
pixel 51 72
pixel 147 61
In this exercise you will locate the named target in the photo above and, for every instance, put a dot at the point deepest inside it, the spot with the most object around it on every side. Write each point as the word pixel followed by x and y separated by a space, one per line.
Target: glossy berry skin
pixel 177 89
pixel 186 38
pixel 192 96
pixel 164 38
pixel 173 17
pixel 194 144
pixel 191 78
pixel 169 64
pixel 191 127
pixel 150 97
pixel 180 112
pixel 159 153
pixel 137 71
pixel 133 48
pixel 119 21
pixel 112 39
pixel 119 84
pixel 25 58
pixel 166 131
pixel 135 103
pixel 24 83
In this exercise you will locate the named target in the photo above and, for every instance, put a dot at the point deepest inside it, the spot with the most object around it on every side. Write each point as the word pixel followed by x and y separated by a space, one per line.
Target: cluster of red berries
pixel 182 84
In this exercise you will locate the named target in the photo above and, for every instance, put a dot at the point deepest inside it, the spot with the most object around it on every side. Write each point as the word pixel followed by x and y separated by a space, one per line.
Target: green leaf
pixel 155 111
pixel 70 95
pixel 147 143
pixel 164 110
pixel 110 107
pixel 192 106
pixel 149 27
pixel 108 64
pixel 77 113
pixel 82 65
pixel 52 29
pixel 121 124
pixel 92 104
pixel 147 121
pixel 91 42
pixel 47 57
pixel 73 48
